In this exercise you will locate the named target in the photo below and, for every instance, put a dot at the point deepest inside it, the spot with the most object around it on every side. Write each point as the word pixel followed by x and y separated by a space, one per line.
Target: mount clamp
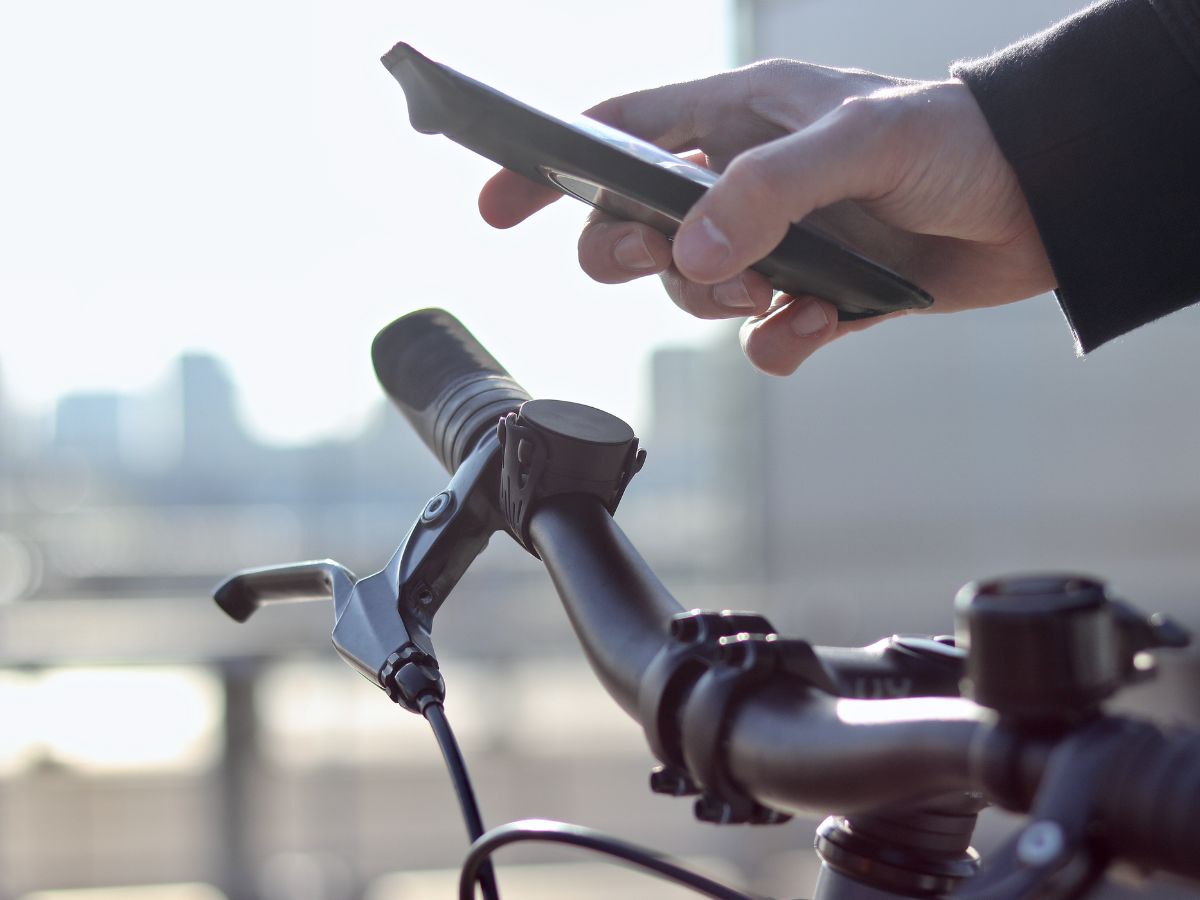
pixel 555 447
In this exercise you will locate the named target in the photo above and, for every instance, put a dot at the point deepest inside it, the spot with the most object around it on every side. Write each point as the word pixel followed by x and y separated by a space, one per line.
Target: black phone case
pixel 532 143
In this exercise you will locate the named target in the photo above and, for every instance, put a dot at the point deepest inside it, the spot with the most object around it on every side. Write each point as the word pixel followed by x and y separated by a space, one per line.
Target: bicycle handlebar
pixel 620 612
pixel 801 750
pixel 1150 800
pixel 784 744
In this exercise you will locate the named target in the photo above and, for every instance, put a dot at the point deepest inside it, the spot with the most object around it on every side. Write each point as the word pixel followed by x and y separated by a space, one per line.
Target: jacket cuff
pixel 1100 118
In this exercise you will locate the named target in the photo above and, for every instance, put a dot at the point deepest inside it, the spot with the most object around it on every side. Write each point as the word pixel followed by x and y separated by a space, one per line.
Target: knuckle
pixel 694 299
pixel 672 283
pixel 866 127
pixel 770 359
pixel 754 175
pixel 876 116
pixel 766 72
pixel 586 245
pixel 887 127
pixel 859 113
pixel 612 111
pixel 594 253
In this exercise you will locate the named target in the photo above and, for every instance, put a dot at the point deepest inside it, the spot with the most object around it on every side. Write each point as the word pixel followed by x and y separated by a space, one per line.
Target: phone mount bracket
pixel 556 447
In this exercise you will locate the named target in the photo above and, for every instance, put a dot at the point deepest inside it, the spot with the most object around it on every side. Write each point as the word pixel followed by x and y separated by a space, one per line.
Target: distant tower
pixel 707 415
pixel 212 434
pixel 90 425
pixel 6 429
pixel 7 453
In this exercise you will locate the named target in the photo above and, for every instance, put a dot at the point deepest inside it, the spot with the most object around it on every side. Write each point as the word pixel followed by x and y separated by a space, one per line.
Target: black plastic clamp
pixel 691 649
pixel 555 447
pixel 743 661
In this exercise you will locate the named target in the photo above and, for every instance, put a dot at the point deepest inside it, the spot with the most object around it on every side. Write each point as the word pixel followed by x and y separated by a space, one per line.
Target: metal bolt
pixel 1041 843
pixel 665 780
pixel 436 507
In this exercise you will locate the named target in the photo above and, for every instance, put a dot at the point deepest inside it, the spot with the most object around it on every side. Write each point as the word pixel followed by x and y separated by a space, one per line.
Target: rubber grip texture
pixel 1150 807
pixel 448 387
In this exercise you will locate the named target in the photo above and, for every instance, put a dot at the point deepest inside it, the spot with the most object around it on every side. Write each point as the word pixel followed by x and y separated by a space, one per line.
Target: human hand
pixel 907 173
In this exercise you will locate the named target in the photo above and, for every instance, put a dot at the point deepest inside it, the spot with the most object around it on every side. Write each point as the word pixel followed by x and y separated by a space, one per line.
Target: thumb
pixel 745 215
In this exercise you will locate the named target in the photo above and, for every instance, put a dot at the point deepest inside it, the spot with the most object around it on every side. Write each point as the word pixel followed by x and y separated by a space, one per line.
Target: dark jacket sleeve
pixel 1100 118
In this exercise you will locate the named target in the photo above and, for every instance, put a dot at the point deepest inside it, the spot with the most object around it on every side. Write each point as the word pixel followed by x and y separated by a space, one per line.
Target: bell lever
pixel 382 623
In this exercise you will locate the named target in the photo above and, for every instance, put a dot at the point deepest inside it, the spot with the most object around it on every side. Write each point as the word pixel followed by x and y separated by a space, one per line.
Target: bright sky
pixel 241 178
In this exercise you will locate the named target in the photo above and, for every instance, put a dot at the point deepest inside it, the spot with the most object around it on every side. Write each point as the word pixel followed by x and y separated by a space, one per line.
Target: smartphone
pixel 630 179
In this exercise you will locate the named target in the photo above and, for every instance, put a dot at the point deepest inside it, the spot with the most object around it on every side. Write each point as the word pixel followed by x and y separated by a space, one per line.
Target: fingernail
pixel 632 253
pixel 733 294
pixel 701 247
pixel 809 319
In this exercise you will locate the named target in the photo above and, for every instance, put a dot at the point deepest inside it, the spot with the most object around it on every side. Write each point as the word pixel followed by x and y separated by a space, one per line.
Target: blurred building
pixel 212 435
pixel 905 460
pixel 90 424
pixel 909 459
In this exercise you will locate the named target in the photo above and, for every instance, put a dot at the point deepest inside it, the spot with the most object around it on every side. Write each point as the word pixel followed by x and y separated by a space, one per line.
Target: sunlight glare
pixel 112 720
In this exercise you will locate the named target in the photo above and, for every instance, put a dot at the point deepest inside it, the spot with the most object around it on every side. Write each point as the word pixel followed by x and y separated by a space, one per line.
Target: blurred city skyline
pixel 243 180
pixel 167 489
pixel 194 410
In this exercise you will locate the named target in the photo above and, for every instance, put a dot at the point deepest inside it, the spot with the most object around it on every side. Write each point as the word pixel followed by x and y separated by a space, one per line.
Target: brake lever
pixel 383 623
pixel 243 594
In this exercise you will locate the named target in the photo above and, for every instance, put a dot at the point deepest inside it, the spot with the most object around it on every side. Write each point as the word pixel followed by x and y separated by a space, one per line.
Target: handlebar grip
pixel 1150 809
pixel 443 381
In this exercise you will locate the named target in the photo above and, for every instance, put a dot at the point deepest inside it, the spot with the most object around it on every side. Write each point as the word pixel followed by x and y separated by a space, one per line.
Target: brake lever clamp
pixel 1052 857
pixel 557 447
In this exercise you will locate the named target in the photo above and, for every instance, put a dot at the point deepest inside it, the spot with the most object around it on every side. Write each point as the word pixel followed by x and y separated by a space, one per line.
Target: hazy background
pixel 206 212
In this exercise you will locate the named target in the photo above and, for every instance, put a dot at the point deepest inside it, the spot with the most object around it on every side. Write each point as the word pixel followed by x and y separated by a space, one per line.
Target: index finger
pixel 508 199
